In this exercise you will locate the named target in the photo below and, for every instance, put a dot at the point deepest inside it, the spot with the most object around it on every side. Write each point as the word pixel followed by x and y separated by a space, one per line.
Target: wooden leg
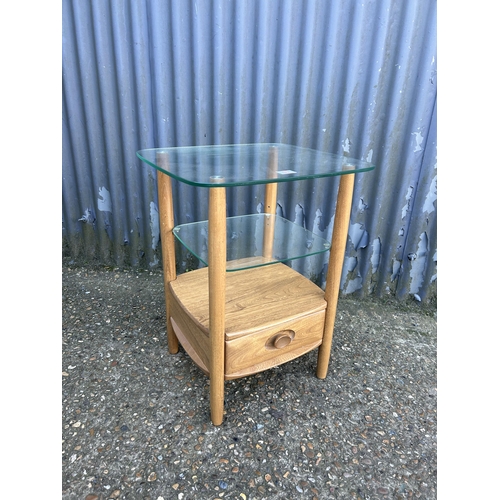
pixel 335 263
pixel 167 243
pixel 270 204
pixel 217 298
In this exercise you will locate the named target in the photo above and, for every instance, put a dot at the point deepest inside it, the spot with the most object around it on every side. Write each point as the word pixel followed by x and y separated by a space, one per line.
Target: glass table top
pixel 245 241
pixel 246 164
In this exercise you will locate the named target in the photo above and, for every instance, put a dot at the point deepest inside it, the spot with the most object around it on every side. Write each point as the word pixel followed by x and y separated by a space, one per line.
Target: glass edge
pixel 317 252
pixel 290 179
pixel 188 247
pixel 261 214
pixel 176 177
pixel 277 261
pixel 256 182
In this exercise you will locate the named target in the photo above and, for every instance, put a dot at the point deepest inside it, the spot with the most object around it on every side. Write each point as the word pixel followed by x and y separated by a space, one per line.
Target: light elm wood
pixel 235 324
pixel 263 305
pixel 191 334
pixel 217 294
pixel 270 199
pixel 166 212
pixel 280 340
pixel 335 263
pixel 193 354
pixel 257 352
pixel 245 262
pixel 256 298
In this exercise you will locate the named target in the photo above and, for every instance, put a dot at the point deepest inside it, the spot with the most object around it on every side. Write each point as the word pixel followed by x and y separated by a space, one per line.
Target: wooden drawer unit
pixel 283 321
pixel 233 317
pixel 273 346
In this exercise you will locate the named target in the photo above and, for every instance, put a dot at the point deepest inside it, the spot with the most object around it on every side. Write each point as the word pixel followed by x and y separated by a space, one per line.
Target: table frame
pixel 217 270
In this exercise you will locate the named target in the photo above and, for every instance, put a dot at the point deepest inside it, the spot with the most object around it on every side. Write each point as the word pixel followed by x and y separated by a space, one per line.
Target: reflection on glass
pixel 245 238
pixel 245 164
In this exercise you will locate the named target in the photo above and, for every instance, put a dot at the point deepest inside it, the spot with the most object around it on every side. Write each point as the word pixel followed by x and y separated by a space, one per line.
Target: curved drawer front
pixel 270 347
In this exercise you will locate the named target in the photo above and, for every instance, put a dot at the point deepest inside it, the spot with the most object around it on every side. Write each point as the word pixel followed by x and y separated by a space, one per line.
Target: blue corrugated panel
pixel 343 76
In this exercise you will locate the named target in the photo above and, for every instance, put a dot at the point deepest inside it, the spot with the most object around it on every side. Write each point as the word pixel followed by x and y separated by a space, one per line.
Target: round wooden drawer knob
pixel 282 340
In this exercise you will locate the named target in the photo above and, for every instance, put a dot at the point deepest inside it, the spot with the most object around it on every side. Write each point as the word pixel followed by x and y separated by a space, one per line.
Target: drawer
pixel 261 350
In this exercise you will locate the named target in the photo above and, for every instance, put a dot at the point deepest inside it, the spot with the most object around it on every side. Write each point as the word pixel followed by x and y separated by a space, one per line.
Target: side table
pixel 247 311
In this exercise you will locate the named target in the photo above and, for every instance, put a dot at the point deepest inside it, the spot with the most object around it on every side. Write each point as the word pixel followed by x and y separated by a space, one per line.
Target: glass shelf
pixel 245 240
pixel 246 164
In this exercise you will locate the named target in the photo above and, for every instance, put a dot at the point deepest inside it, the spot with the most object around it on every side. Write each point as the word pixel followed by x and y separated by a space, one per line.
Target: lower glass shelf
pixel 246 241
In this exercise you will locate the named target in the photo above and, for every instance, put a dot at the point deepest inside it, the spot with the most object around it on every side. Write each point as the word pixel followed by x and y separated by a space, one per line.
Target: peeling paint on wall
pixel 406 208
pixel 279 210
pixel 299 215
pixel 434 259
pixel 396 266
pixel 418 263
pixel 154 223
pixel 418 141
pixel 359 236
pixel 354 283
pixel 88 217
pixel 362 206
pixel 376 251
pixel 317 222
pixel 431 197
pixel 104 200
pixel 351 263
pixel 280 89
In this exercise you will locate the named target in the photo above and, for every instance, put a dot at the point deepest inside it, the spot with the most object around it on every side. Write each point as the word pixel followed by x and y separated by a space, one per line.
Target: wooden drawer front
pixel 273 346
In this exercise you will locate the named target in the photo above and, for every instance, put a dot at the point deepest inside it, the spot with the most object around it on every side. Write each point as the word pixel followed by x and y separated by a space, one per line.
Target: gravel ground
pixel 136 422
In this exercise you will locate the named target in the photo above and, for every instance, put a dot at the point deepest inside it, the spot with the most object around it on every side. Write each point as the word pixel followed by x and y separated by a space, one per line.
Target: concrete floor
pixel 136 421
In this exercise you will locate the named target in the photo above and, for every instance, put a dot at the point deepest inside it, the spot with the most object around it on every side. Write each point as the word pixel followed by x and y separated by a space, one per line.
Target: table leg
pixel 270 204
pixel 217 298
pixel 167 243
pixel 335 264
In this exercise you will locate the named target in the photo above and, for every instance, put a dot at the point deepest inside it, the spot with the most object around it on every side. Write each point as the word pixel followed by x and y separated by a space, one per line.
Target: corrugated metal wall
pixel 350 76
